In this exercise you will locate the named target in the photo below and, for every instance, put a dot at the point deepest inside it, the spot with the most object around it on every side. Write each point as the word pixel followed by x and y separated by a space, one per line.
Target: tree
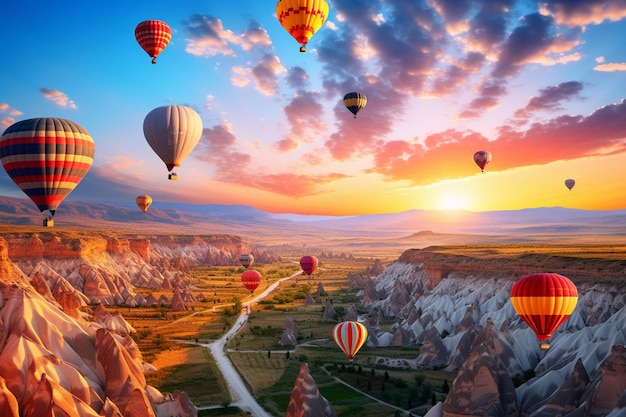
pixel 287 355
pixel 445 387
pixel 419 379
pixel 386 376
pixel 269 354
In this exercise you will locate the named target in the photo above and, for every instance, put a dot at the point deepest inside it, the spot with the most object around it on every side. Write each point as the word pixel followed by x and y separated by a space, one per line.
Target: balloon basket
pixel 173 176
pixel 544 345
pixel 48 222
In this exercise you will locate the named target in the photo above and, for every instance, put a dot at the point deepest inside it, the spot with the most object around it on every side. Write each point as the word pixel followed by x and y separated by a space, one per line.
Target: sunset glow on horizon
pixel 537 84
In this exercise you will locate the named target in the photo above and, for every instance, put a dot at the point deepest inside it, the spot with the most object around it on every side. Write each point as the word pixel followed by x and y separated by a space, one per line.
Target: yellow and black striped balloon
pixel 355 102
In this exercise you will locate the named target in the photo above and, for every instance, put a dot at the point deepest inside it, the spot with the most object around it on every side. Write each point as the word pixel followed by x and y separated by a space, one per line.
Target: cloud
pixel 58 97
pixel 611 67
pixel 448 155
pixel 297 77
pixel 218 147
pixel 265 74
pixel 584 12
pixel 550 98
pixel 8 121
pixel 534 41
pixel 305 115
pixel 208 37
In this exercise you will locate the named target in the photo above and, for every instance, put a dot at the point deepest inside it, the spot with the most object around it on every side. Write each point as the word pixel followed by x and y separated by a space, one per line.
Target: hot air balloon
pixel 308 264
pixel 143 202
pixel 172 132
pixel 246 260
pixel 46 157
pixel 569 183
pixel 350 336
pixel 544 301
pixel 251 279
pixel 153 36
pixel 302 18
pixel 482 158
pixel 354 102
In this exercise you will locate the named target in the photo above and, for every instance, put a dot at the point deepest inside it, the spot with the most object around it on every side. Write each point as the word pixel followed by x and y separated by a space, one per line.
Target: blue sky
pixel 540 85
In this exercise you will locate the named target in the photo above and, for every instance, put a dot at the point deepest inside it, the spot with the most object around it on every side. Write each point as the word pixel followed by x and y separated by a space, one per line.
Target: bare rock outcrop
pixel 290 333
pixel 329 312
pixel 306 400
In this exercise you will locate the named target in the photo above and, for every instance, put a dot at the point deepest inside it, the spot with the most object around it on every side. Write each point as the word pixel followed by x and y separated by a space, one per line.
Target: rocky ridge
pixel 459 310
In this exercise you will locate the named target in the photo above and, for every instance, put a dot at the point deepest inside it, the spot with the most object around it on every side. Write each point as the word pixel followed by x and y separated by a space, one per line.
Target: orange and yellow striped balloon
pixel 544 301
pixel 350 336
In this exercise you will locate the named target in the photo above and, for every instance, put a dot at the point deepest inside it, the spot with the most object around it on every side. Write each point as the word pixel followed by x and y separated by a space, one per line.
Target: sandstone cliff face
pixel 55 364
pixel 101 269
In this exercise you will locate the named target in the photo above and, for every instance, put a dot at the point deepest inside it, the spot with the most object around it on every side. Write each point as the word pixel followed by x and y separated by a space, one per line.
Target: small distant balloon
pixel 569 183
pixel 544 301
pixel 482 158
pixel 355 102
pixel 143 202
pixel 302 18
pixel 350 336
pixel 308 264
pixel 246 260
pixel 251 279
pixel 153 36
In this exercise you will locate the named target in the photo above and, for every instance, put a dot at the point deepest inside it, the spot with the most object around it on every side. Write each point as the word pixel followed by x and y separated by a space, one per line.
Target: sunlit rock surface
pixel 306 400
pixel 459 310
pixel 55 364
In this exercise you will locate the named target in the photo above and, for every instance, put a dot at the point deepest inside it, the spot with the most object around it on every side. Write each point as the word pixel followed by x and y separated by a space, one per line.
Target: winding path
pixel 239 393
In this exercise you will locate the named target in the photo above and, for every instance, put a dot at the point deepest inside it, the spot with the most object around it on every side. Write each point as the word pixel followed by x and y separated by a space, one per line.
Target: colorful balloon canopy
pixel 302 18
pixel 246 260
pixel 482 158
pixel 153 36
pixel 143 202
pixel 308 264
pixel 172 132
pixel 46 157
pixel 544 301
pixel 569 183
pixel 350 336
pixel 251 279
pixel 355 102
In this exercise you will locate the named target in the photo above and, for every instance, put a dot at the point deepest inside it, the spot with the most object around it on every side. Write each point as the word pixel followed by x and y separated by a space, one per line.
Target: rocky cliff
pixel 458 309
pixel 54 364
pixel 105 269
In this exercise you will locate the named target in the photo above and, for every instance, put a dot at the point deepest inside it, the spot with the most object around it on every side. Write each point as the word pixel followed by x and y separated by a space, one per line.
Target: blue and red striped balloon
pixel 350 336
pixel 46 157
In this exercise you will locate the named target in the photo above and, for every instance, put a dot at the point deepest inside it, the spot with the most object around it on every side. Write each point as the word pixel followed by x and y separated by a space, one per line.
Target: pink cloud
pixel 583 13
pixel 305 116
pixel 58 97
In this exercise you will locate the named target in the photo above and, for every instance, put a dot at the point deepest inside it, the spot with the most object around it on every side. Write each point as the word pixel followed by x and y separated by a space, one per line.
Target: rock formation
pixel 306 400
pixel 329 312
pixel 290 333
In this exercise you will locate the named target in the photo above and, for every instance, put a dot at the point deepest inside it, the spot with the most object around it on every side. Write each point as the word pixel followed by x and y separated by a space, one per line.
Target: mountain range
pixel 246 220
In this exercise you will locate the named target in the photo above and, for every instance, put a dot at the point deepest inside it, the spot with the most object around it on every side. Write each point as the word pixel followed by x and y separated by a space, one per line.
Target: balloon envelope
pixel 251 279
pixel 153 36
pixel 354 102
pixel 308 264
pixel 482 158
pixel 569 183
pixel 172 132
pixel 302 18
pixel 46 157
pixel 350 336
pixel 143 202
pixel 544 301
pixel 246 260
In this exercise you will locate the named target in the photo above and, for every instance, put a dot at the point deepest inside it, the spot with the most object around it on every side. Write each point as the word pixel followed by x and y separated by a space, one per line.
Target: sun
pixel 452 202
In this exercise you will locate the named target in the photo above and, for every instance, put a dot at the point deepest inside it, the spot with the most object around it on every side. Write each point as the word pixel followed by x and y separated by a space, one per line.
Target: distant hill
pixel 238 219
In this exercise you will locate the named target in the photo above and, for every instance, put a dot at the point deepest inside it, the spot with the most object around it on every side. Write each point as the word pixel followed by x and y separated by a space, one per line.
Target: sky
pixel 540 85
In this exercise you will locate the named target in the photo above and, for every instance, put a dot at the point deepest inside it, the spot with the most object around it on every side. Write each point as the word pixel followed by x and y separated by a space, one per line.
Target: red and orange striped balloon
pixel 544 301
pixel 350 336
pixel 46 157
pixel 153 36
